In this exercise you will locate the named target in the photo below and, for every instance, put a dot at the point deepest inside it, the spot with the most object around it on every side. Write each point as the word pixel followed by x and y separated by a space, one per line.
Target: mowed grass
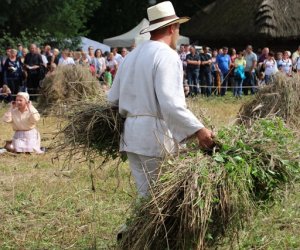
pixel 46 203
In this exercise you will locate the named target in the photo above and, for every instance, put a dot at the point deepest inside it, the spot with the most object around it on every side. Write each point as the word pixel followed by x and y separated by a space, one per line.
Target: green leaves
pixel 55 20
pixel 259 154
pixel 218 158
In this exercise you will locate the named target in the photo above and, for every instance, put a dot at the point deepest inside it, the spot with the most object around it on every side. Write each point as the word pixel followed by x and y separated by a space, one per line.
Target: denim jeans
pixel 249 81
pixel 269 79
pixel 237 90
pixel 193 80
pixel 224 82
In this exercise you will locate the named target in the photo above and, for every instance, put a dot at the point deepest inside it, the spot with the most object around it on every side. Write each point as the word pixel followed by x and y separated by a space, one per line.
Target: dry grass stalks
pixel 66 85
pixel 94 129
pixel 279 99
pixel 201 198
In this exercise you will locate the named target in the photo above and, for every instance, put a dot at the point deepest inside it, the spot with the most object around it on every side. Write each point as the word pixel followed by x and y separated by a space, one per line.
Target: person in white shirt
pixel 296 55
pixel 270 66
pixel 296 60
pixel 285 64
pixel 117 56
pixel 44 58
pixel 101 65
pixel 112 63
pixel 148 90
pixel 65 58
pixel 124 53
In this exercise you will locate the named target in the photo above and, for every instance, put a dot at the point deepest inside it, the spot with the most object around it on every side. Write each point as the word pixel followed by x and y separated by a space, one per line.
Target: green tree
pixel 59 19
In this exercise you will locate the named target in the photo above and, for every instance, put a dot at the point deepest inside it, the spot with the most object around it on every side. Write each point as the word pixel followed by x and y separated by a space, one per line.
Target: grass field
pixel 46 204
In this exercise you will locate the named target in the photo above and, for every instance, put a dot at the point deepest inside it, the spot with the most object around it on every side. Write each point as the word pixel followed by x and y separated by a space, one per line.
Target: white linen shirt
pixel 148 88
pixel 67 61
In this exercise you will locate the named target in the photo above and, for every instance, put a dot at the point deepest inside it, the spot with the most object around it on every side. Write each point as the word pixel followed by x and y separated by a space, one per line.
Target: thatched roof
pixel 246 21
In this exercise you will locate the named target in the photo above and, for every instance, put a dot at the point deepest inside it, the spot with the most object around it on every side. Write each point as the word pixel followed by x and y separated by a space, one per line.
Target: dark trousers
pixel 33 81
pixel 193 80
pixel 249 81
pixel 14 84
pixel 6 99
pixel 206 80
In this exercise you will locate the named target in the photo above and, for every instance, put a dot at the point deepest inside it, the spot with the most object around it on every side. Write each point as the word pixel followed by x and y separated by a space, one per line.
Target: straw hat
pixel 162 15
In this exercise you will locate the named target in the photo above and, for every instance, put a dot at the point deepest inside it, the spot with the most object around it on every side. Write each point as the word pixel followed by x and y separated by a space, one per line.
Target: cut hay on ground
pixel 94 129
pixel 281 99
pixel 68 84
pixel 201 198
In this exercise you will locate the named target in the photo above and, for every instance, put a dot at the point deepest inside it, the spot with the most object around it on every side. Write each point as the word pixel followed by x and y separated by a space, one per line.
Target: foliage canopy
pixel 56 20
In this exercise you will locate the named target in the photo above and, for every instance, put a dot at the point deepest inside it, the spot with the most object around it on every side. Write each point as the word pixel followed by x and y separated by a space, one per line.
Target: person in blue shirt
pixel 223 61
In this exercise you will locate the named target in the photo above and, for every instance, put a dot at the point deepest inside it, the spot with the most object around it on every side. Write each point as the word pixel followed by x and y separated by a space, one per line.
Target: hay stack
pixel 66 85
pixel 200 198
pixel 281 99
pixel 94 128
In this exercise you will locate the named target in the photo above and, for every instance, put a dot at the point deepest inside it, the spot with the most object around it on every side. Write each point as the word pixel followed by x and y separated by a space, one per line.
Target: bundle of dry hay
pixel 94 128
pixel 200 198
pixel 66 85
pixel 282 98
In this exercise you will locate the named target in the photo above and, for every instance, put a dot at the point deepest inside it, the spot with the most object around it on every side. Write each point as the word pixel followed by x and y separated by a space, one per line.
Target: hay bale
pixel 94 128
pixel 279 99
pixel 200 198
pixel 66 85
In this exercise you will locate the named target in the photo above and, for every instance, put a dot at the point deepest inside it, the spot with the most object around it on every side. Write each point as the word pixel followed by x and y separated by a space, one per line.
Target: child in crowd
pixel 186 88
pixel 108 77
pixel 5 94
pixel 239 74
pixel 261 79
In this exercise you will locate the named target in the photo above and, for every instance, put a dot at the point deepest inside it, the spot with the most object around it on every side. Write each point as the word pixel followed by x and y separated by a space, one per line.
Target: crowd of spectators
pixel 23 69
pixel 206 71
pixel 211 71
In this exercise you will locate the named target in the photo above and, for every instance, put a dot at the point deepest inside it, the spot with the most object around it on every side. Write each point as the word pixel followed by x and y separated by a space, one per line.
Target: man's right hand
pixel 205 138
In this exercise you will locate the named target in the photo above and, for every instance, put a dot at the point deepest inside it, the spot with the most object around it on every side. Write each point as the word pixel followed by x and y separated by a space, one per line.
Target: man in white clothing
pixel 148 89
pixel 65 58
pixel 118 57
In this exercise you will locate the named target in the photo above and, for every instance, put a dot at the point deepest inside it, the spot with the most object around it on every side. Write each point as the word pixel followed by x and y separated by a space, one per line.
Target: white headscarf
pixel 25 95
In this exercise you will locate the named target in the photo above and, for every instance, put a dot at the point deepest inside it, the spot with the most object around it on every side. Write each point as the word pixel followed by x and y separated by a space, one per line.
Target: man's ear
pixel 174 27
pixel 171 29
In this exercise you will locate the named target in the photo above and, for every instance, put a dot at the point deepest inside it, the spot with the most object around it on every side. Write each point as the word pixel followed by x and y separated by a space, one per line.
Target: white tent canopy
pixel 134 37
pixel 129 38
pixel 183 40
pixel 85 43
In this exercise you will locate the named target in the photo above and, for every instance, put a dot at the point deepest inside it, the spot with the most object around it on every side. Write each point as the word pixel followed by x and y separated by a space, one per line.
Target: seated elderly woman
pixel 23 117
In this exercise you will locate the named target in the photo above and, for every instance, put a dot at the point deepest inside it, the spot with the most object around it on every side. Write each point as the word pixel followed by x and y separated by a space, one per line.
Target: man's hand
pixel 205 138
